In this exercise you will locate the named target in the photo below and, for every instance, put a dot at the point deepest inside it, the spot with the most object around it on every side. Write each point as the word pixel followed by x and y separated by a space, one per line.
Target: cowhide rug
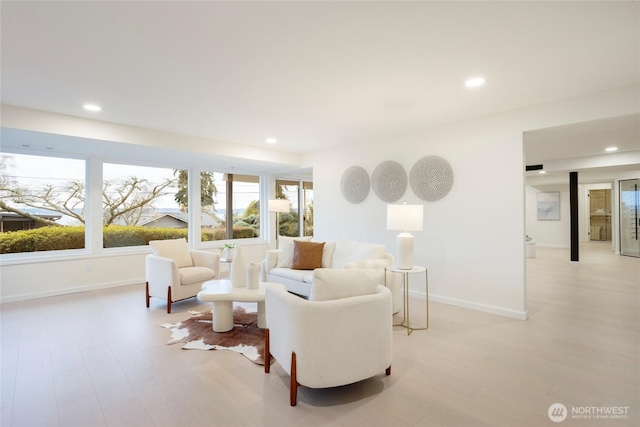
pixel 197 334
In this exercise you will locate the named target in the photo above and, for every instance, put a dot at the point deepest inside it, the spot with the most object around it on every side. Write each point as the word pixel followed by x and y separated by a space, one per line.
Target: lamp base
pixel 405 251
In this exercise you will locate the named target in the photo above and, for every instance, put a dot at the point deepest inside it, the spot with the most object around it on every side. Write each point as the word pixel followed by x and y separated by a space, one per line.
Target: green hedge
pixel 60 238
pixel 213 234
pixel 42 239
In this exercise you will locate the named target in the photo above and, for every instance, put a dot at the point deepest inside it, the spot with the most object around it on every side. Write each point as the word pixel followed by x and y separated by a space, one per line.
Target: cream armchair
pixel 341 335
pixel 176 272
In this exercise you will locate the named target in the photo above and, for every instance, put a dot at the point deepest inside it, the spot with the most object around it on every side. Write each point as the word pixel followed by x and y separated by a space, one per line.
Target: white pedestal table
pixel 221 294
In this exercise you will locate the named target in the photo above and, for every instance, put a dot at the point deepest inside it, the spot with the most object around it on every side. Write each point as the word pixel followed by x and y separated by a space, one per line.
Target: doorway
pixel 630 217
pixel 600 215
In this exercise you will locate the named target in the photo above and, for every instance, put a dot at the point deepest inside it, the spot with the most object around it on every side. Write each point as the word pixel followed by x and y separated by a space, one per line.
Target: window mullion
pixel 195 207
pixel 229 211
pixel 93 209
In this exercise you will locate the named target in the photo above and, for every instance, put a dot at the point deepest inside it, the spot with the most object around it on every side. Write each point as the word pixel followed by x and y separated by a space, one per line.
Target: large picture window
pixel 42 203
pixel 142 203
pixel 300 195
pixel 230 206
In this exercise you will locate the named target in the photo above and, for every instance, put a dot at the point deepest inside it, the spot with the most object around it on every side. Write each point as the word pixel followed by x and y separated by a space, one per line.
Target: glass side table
pixel 405 290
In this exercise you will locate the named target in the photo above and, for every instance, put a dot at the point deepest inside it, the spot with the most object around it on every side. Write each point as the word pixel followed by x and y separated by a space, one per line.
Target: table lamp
pixel 278 206
pixel 404 218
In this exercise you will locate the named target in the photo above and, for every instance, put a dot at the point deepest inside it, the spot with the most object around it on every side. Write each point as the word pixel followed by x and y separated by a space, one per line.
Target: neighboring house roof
pixel 206 220
pixel 12 216
pixel 159 217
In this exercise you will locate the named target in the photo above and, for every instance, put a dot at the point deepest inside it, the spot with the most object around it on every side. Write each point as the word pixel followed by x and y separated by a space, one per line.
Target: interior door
pixel 629 217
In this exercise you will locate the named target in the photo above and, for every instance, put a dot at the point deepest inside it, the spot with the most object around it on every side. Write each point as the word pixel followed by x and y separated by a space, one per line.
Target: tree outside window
pixel 41 203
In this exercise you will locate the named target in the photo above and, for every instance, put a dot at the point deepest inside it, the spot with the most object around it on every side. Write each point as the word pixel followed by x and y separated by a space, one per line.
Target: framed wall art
pixel 549 206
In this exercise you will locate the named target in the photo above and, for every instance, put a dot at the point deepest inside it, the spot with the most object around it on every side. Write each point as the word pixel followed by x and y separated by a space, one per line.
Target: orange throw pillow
pixel 307 255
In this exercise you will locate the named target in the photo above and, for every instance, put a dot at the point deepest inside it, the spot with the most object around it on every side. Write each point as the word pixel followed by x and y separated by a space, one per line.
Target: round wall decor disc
pixel 431 178
pixel 355 184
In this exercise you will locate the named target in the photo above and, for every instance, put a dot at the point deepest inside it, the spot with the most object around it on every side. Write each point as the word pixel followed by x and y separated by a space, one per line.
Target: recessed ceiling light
pixel 474 82
pixel 91 107
pixel 541 172
pixel 271 140
pixel 610 149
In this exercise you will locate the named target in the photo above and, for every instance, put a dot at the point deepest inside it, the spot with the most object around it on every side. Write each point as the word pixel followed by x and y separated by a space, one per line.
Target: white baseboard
pixel 514 314
pixel 71 290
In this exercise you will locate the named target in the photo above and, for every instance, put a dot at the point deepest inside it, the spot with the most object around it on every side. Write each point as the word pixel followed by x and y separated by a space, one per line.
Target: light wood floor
pixel 99 358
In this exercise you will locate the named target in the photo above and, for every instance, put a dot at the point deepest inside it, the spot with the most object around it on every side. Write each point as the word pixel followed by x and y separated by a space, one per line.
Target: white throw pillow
pixel 349 250
pixel 331 284
pixel 369 264
pixel 285 250
pixel 176 249
pixel 327 253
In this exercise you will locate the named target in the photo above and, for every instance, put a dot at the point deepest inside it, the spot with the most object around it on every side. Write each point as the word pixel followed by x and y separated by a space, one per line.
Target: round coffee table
pixel 221 294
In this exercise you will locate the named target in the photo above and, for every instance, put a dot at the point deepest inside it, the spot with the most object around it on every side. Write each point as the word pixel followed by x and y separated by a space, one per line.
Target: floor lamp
pixel 405 218
pixel 278 206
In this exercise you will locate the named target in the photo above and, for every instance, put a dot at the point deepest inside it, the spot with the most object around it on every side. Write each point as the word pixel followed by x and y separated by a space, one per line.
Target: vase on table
pixel 253 276
pixel 228 253
pixel 237 269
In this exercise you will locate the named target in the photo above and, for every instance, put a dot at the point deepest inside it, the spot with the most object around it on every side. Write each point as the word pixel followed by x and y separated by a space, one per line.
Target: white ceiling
pixel 587 139
pixel 311 74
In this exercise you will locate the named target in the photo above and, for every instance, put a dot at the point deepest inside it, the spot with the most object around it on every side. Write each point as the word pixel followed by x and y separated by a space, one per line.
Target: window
pixel 300 194
pixel 230 206
pixel 143 203
pixel 307 191
pixel 42 203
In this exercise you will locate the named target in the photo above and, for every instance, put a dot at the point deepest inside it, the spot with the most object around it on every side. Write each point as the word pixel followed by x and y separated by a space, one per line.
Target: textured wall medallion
pixel 389 181
pixel 431 178
pixel 355 184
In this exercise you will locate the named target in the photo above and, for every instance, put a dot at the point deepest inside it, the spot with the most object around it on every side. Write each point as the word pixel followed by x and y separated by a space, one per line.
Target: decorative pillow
pixel 176 249
pixel 307 255
pixel 349 250
pixel 285 250
pixel 327 253
pixel 331 284
pixel 369 264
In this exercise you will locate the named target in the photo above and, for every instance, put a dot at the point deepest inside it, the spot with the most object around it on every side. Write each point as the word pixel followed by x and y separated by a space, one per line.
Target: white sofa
pixel 276 267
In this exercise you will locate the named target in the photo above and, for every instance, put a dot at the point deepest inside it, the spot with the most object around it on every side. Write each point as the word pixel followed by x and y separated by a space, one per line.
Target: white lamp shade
pixel 279 205
pixel 404 217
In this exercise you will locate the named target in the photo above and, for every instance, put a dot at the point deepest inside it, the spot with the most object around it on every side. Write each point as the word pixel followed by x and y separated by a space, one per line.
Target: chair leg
pixel 147 294
pixel 388 371
pixel 267 354
pixel 169 299
pixel 293 398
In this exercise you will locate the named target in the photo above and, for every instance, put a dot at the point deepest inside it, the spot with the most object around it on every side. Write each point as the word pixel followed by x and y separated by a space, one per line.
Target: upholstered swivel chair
pixel 341 335
pixel 176 272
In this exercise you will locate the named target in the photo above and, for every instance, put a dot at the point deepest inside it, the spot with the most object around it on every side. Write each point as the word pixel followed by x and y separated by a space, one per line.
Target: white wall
pixel 549 233
pixel 57 275
pixel 473 239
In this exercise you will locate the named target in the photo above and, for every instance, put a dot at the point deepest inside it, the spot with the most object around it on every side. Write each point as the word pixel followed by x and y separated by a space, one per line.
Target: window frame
pixel 53 255
pixel 93 210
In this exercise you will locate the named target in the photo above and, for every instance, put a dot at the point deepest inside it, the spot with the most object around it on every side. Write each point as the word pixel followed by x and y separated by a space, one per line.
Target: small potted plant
pixel 228 250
